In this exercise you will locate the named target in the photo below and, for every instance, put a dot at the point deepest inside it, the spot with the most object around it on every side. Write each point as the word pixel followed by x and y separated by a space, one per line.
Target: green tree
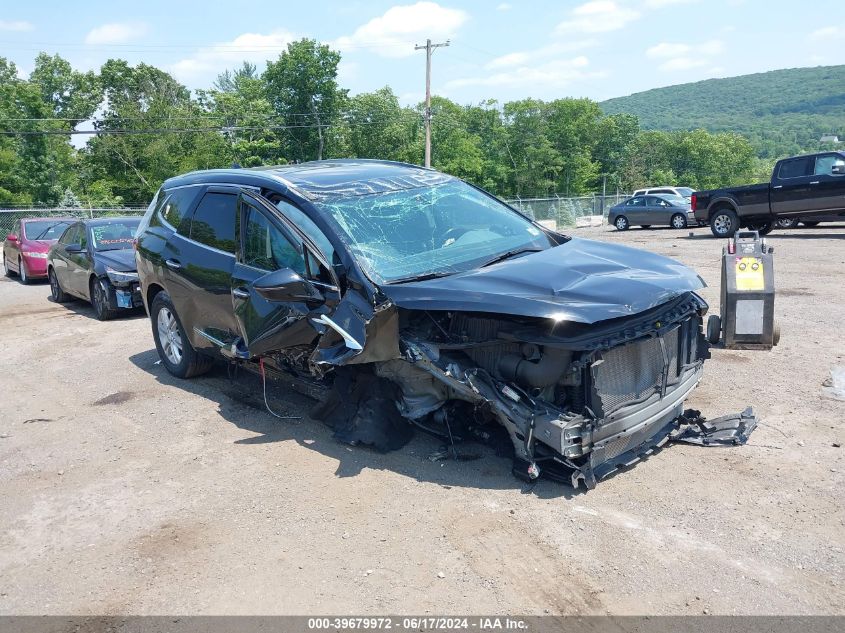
pixel 302 87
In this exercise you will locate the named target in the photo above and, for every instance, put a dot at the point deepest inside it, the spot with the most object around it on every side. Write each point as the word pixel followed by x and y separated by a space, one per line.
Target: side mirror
pixel 286 285
pixel 838 168
pixel 73 248
pixel 12 237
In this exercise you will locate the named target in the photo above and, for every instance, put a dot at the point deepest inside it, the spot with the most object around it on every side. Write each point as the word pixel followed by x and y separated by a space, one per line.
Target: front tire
pixel 23 277
pixel 714 329
pixel 724 222
pixel 763 228
pixel 56 293
pixel 621 223
pixel 678 221
pixel 100 300
pixel 172 344
pixel 786 223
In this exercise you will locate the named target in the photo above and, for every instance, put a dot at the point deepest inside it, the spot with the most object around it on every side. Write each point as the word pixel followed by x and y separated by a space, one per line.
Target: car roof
pixel 110 220
pixel 318 180
pixel 49 217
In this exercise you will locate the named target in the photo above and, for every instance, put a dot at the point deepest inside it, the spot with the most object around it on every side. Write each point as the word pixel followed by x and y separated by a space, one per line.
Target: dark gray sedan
pixel 645 211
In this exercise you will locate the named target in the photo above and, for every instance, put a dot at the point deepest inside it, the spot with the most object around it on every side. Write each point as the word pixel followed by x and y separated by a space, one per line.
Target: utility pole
pixel 429 48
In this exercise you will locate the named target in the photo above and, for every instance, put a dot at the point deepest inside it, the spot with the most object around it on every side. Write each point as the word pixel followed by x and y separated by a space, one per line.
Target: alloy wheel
pixel 169 336
pixel 722 224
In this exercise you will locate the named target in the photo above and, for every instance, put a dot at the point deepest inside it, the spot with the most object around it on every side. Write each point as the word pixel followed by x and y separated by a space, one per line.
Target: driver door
pixel 267 244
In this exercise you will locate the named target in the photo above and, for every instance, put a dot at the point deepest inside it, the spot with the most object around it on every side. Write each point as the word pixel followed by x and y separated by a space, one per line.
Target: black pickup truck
pixel 802 186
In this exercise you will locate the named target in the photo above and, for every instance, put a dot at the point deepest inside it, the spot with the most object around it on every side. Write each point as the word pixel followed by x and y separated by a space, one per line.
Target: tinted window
pixel 796 168
pixel 176 206
pixel 214 221
pixel 639 201
pixel 305 224
pixel 265 247
pixel 69 236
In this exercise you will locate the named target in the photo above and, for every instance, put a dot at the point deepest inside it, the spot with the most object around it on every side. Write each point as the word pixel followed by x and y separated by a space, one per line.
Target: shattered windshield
pixel 440 229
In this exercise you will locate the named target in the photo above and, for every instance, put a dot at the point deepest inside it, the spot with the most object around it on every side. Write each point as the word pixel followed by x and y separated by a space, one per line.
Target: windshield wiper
pixel 509 254
pixel 422 277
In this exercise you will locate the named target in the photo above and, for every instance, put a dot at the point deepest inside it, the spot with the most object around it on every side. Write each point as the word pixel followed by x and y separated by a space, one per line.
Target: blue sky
pixel 500 50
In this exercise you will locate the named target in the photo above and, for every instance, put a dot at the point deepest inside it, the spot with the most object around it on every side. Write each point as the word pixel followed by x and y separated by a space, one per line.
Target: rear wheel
pixel 100 299
pixel 24 278
pixel 621 223
pixel 173 346
pixel 786 223
pixel 678 221
pixel 724 222
pixel 56 293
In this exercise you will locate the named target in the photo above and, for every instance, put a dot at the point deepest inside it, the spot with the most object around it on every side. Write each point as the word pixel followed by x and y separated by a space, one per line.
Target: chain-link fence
pixel 8 217
pixel 559 212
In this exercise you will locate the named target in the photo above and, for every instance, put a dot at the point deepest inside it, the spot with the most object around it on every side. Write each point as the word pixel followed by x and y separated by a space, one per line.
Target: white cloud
pixel 677 56
pixel 828 32
pixel 212 60
pixel 555 73
pixel 15 25
pixel 519 58
pixel 504 6
pixel 116 33
pixel 659 4
pixel 394 33
pixel 598 16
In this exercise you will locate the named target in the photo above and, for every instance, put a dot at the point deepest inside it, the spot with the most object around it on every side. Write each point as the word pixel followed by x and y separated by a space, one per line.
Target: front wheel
pixel 714 329
pixel 786 223
pixel 621 223
pixel 100 299
pixel 724 223
pixel 763 228
pixel 173 346
pixel 56 293
pixel 24 278
pixel 678 221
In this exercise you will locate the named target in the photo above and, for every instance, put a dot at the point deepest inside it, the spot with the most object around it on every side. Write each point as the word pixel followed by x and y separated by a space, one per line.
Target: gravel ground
pixel 127 491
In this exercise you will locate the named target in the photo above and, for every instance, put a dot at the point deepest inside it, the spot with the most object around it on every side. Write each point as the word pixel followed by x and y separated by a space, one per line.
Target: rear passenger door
pixel 200 261
pixel 790 188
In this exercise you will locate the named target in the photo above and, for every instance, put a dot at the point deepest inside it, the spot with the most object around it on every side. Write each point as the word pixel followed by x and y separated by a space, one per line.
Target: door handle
pixel 172 264
pixel 778 187
pixel 240 293
pixel 815 182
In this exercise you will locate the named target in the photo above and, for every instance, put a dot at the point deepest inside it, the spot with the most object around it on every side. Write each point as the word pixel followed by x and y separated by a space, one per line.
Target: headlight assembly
pixel 119 277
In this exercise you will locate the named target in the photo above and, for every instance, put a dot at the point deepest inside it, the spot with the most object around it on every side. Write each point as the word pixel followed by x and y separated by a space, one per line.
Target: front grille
pixel 631 373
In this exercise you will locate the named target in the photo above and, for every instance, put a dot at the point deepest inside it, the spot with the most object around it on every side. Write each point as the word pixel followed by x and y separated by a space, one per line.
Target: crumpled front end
pixel 576 402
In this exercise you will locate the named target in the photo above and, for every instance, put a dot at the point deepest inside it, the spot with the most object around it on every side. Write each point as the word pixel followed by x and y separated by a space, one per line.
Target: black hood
pixel 582 281
pixel 122 260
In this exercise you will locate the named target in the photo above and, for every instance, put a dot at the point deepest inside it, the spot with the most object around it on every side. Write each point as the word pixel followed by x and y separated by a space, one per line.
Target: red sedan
pixel 25 248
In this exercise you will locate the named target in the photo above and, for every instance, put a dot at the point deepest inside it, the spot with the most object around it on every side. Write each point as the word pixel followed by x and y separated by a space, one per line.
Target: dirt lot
pixel 127 491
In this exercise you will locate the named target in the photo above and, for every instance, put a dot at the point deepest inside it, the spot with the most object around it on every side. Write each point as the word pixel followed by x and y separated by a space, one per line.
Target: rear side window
pixel 176 206
pixel 796 168
pixel 214 221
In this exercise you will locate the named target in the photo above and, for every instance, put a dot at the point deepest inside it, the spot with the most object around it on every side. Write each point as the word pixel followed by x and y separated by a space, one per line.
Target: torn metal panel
pixel 728 430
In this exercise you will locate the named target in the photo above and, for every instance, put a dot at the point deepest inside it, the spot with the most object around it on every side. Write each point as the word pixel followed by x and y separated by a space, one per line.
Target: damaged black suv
pixel 401 295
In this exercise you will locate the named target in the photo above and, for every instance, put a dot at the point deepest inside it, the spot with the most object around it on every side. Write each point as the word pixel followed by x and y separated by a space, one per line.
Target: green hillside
pixel 782 111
